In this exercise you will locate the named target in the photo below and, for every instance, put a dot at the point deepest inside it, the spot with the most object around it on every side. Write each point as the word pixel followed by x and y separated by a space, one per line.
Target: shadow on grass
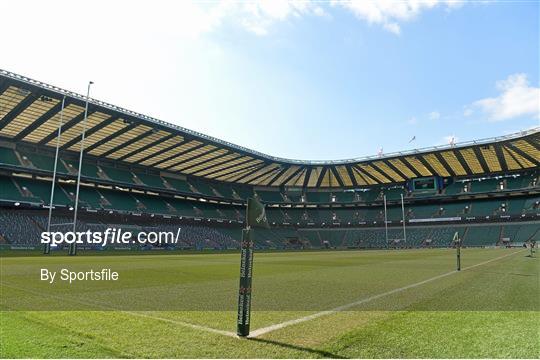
pixel 321 353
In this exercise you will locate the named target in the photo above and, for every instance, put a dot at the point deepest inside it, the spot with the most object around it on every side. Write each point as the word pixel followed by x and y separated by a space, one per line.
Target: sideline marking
pixel 271 328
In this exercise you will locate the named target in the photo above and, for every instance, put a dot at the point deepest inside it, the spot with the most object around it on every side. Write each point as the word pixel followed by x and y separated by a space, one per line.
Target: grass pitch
pixel 400 304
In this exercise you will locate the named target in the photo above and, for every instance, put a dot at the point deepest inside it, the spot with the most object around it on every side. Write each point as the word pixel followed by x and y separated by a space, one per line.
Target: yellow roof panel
pixel 51 126
pixel 28 116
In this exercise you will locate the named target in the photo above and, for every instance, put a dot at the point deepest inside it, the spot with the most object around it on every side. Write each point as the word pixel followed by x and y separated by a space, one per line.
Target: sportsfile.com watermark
pixel 111 236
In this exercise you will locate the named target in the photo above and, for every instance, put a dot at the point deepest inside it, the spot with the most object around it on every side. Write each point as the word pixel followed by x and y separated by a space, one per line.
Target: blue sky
pixel 302 80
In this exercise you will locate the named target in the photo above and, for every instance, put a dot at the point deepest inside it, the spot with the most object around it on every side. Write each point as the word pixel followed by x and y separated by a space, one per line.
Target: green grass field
pixel 407 303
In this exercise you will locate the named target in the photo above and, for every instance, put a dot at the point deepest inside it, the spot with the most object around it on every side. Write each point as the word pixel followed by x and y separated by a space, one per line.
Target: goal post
pixel 255 218
pixel 457 243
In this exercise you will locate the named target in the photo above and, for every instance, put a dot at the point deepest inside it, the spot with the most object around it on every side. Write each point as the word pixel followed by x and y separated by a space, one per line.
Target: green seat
pixel 151 180
pixel 8 157
pixel 270 196
pixel 44 162
pixel 180 185
pixel 9 191
pixel 119 175
pixel 42 190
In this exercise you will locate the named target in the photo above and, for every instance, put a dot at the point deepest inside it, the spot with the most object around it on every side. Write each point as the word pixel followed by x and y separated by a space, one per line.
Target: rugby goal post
pixel 457 242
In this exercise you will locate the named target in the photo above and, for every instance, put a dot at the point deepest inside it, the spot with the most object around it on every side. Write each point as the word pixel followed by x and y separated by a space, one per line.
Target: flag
pixel 256 215
pixel 412 139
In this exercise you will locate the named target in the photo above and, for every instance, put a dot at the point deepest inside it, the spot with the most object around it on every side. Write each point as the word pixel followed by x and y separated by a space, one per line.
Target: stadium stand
pixel 145 173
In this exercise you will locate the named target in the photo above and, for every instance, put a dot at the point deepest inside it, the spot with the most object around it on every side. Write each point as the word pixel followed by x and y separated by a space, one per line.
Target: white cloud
pixel 190 19
pixel 412 121
pixel 434 115
pixel 390 13
pixel 516 99
pixel 258 16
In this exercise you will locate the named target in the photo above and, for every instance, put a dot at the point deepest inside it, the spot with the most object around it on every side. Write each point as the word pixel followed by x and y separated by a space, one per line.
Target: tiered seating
pixel 484 185
pixel 532 205
pixel 202 187
pixel 293 216
pixel 151 180
pixel 394 194
pixel 294 197
pixel 43 162
pixel 482 235
pixel 519 182
pixel 233 233
pixel 209 211
pixel 180 185
pixel 527 232
pixel 270 196
pixel 275 216
pixel 334 239
pixel 115 174
pixel 42 190
pixel 273 238
pixel 183 208
pixel 484 208
pixel 425 211
pixel 344 215
pixel 153 204
pixel 58 223
pixel 416 237
pixel 318 197
pixel 9 191
pixel 223 190
pixel 89 197
pixel 23 228
pixel 456 188
pixel 199 237
pixel 368 238
pixel 119 200
pixel 244 192
pixel 232 214
pixel 311 237
pixel 18 228
pixel 443 236
pixel 451 209
pixel 345 196
pixel 88 169
pixel 396 214
pixel 8 157
pixel 370 195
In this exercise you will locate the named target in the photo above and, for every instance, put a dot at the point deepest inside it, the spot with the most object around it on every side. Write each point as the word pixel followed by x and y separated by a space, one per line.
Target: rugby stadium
pixel 359 253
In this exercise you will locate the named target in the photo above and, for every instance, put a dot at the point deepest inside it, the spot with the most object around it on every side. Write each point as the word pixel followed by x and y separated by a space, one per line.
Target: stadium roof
pixel 30 112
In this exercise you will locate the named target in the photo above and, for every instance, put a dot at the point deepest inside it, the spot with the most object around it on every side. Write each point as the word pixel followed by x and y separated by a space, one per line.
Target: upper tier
pixel 30 113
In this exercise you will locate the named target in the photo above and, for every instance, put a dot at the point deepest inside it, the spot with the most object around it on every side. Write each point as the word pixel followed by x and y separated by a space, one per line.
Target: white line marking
pixel 284 324
pixel 178 322
pixel 133 313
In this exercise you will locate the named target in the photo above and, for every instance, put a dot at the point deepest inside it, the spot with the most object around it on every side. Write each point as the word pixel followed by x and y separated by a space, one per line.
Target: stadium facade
pixel 145 173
